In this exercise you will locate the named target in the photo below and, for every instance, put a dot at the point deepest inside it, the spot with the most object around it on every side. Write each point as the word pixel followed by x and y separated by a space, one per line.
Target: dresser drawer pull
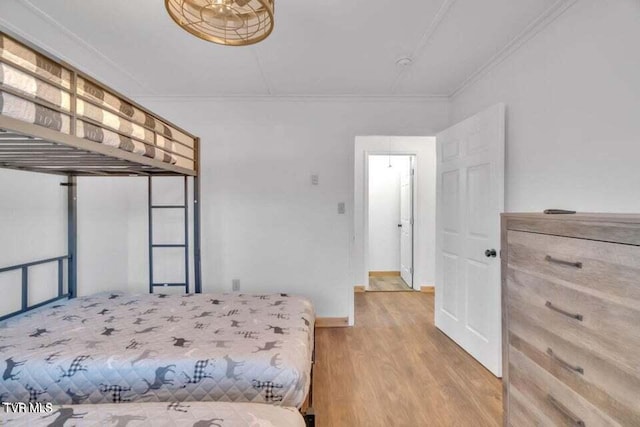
pixel 561 311
pixel 566 412
pixel 553 260
pixel 563 363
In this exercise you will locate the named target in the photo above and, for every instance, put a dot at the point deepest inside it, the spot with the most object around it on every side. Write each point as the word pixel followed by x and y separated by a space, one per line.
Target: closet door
pixel 470 198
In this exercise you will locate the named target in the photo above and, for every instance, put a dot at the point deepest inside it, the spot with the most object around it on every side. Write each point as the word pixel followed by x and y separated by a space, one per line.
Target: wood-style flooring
pixel 395 369
pixel 388 283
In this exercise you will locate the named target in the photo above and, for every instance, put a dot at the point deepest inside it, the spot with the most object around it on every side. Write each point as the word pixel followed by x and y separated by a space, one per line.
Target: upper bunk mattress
pixel 211 414
pixel 38 90
pixel 117 347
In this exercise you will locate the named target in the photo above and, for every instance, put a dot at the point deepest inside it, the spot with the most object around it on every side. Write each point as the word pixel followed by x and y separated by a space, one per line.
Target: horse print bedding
pixel 117 347
pixel 200 414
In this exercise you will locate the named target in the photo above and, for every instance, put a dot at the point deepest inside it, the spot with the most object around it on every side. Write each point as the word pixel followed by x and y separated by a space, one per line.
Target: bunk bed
pixel 250 348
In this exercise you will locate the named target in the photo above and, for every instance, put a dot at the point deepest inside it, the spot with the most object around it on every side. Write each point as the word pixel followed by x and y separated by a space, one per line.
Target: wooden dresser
pixel 571 319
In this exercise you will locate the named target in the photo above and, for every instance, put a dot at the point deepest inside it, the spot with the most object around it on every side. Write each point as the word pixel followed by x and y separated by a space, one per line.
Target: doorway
pixel 422 149
pixel 391 219
pixel 462 178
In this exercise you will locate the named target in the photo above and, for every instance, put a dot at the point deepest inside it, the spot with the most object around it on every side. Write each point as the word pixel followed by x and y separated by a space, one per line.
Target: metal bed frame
pixel 30 147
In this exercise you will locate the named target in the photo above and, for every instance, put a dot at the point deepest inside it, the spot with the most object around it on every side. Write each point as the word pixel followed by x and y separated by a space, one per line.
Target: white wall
pixel 262 220
pixel 33 215
pixel 573 99
pixel 424 149
pixel 384 211
pixel 103 235
pixel 31 228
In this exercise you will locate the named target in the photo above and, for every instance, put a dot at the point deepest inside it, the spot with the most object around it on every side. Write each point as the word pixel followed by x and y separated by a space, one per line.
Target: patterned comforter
pixel 199 414
pixel 116 347
pixel 37 90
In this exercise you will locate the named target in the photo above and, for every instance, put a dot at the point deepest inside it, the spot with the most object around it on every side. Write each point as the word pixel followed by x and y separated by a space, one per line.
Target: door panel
pixel 450 278
pixel 478 183
pixel 450 199
pixel 406 222
pixel 470 198
pixel 477 320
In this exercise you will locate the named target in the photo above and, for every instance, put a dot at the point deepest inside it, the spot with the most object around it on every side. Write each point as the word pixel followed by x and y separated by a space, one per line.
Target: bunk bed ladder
pixel 185 245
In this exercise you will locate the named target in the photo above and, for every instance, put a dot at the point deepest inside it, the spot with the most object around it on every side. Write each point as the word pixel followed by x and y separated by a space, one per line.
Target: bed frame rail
pixel 24 268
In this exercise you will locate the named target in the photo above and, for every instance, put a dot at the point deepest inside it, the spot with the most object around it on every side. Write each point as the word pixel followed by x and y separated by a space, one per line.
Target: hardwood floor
pixel 390 283
pixel 394 368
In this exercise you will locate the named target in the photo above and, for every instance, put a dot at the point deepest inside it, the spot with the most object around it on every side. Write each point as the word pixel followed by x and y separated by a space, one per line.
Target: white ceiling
pixel 318 48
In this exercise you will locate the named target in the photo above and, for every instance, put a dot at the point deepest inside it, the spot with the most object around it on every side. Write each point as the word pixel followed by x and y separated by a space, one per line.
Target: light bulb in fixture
pixel 222 11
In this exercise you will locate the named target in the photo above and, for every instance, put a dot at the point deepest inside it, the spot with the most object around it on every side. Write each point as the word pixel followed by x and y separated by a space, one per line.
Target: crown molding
pixel 535 27
pixel 292 98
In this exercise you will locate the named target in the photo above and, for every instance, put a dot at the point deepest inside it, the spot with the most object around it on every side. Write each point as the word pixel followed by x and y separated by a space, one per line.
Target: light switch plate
pixel 235 285
pixel 341 208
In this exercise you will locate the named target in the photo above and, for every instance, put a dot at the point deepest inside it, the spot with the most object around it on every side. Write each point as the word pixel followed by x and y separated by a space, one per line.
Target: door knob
pixel 399 225
pixel 490 253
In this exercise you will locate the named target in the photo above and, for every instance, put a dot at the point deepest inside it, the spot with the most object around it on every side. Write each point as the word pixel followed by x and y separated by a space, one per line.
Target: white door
pixel 406 222
pixel 470 198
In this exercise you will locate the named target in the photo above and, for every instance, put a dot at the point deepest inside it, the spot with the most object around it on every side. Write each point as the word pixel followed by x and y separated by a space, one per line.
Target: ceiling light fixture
pixel 226 22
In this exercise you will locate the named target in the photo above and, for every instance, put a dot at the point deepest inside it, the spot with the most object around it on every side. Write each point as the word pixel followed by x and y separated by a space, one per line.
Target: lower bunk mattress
pixel 118 347
pixel 200 414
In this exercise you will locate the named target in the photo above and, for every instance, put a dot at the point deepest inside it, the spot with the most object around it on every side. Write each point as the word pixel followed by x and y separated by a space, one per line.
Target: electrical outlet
pixel 235 285
pixel 315 179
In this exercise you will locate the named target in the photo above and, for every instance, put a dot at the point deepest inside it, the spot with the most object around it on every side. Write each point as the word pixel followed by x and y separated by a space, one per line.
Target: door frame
pixel 414 206
pixel 423 147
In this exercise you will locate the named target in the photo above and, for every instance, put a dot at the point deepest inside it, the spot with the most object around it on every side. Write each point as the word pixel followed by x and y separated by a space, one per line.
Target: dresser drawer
pixel 571 319
pixel 598 325
pixel 607 269
pixel 610 389
pixel 539 396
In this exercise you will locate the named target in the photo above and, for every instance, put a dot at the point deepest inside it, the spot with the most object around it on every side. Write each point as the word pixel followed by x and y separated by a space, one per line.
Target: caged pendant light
pixel 226 22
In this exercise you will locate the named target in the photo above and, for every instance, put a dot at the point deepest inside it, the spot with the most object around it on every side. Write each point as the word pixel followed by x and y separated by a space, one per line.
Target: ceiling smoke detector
pixel 404 62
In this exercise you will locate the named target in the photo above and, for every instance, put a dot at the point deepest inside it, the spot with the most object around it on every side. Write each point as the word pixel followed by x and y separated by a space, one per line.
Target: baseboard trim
pixel 332 322
pixel 359 288
pixel 384 273
pixel 428 289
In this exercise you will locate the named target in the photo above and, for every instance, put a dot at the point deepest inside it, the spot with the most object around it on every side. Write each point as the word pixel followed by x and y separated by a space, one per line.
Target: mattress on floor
pixel 201 414
pixel 118 347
